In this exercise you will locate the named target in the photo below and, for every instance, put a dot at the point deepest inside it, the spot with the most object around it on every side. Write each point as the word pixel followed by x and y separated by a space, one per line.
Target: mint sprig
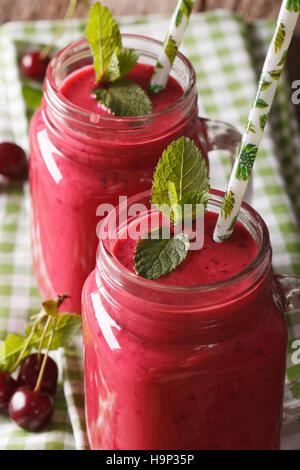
pixel 181 177
pixel 103 36
pixel 179 186
pixel 124 98
pixel 187 206
pixel 112 61
pixel 122 61
pixel 155 257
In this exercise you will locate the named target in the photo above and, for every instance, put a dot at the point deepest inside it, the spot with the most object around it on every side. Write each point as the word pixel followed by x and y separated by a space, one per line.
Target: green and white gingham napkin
pixel 227 56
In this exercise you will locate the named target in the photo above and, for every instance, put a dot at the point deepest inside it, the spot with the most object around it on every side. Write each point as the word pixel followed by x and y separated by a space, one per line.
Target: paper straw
pixel 172 41
pixel 257 119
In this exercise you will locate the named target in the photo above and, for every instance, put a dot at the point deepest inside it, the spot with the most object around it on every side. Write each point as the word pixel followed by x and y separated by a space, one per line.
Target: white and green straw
pixel 172 41
pixel 257 119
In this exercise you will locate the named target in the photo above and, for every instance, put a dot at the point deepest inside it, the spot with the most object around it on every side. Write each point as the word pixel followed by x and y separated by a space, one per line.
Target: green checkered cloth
pixel 227 56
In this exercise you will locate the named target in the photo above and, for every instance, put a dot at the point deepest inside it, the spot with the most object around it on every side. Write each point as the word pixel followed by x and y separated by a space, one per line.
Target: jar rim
pixel 51 90
pixel 257 267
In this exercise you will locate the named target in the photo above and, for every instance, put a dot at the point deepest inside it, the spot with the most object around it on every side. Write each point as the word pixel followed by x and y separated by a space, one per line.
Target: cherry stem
pixel 40 377
pixel 43 337
pixel 60 300
pixel 21 355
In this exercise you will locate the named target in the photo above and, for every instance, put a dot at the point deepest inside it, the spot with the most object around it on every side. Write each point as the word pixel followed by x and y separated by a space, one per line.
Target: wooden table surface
pixel 12 10
pixel 34 9
pixel 38 9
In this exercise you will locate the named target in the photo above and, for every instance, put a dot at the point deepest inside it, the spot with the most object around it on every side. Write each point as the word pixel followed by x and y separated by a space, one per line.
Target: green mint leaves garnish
pixel 112 62
pixel 121 62
pixel 180 185
pixel 103 36
pixel 155 257
pixel 124 98
pixel 187 206
pixel 181 177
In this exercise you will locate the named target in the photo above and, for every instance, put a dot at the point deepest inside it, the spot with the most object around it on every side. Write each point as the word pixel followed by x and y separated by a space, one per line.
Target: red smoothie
pixel 78 88
pixel 213 263
pixel 81 156
pixel 192 360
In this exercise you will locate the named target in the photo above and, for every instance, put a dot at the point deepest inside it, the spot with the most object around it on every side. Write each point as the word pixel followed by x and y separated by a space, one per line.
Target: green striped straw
pixel 172 41
pixel 257 119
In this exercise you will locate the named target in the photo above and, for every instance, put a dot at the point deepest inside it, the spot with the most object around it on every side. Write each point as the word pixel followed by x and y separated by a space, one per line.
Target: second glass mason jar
pixel 171 367
pixel 79 160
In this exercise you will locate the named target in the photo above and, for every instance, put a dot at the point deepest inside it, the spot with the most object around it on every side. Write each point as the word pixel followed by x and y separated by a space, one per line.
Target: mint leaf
pixel 103 36
pixel 32 96
pixel 10 350
pixel 121 62
pixel 157 257
pixel 187 206
pixel 193 199
pixel 124 98
pixel 67 324
pixel 180 184
pixel 181 172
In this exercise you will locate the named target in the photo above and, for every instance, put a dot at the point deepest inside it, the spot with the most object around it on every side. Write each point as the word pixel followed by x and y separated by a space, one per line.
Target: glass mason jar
pixel 185 367
pixel 79 160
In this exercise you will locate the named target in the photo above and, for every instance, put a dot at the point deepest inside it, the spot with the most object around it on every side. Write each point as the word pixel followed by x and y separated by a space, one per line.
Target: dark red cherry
pixel 7 387
pixel 29 372
pixel 13 161
pixel 33 66
pixel 29 409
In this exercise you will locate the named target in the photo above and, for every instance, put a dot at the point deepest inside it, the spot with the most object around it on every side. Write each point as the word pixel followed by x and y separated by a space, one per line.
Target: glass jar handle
pixel 223 136
pixel 289 287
